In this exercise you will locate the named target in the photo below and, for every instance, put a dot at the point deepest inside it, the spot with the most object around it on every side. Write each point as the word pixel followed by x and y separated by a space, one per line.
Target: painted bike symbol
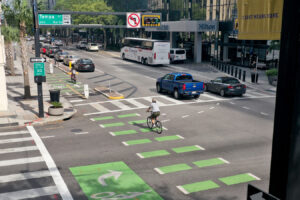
pixel 113 196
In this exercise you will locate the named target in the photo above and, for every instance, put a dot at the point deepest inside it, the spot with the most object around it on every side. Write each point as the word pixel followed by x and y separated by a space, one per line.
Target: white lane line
pixel 254 93
pixel 18 149
pixel 232 103
pixel 164 114
pixel 32 193
pixel 119 104
pixel 125 143
pixel 180 136
pixel 15 140
pixel 76 101
pixel 265 114
pixel 246 108
pixel 58 180
pixel 21 161
pixel 218 104
pixel 225 161
pixel 254 176
pixel 212 97
pixel 101 126
pixel 92 119
pixel 185 116
pixel 112 133
pixel 139 155
pixel 49 136
pixel 199 147
pixel 172 100
pixel 136 103
pixel 164 128
pixel 166 120
pixel 137 114
pixel 81 133
pixel 24 176
pixel 99 107
pixel 159 171
pixel 211 108
pixel 14 133
pixel 77 86
pixel 182 189
pixel 67 93
pixel 201 112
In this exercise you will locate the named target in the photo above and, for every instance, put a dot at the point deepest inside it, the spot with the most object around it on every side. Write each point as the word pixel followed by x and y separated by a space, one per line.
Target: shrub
pixel 272 72
pixel 56 104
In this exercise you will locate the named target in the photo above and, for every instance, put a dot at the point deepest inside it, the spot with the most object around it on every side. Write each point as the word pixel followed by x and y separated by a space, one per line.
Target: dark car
pixel 59 56
pixel 84 64
pixel 52 50
pixel 226 86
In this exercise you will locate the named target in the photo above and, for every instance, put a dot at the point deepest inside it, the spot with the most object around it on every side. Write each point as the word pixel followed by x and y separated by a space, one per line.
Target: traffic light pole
pixel 37 54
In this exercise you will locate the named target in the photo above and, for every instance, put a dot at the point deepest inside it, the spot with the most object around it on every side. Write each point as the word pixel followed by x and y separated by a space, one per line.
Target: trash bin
pixel 253 78
pixel 54 95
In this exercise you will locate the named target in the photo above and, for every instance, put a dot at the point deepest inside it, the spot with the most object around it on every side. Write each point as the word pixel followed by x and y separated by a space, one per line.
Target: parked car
pixel 92 47
pixel 60 56
pixel 177 55
pixel 70 58
pixel 81 45
pixel 84 64
pixel 180 84
pixel 226 86
pixel 52 50
pixel 58 43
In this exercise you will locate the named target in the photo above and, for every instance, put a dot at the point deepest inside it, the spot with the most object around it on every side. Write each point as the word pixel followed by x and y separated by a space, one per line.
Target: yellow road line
pixel 75 91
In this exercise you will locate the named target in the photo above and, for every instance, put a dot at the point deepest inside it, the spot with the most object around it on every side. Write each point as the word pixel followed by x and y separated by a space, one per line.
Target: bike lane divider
pixel 129 115
pixel 148 130
pixel 126 132
pixel 114 180
pixel 210 162
pixel 152 154
pixel 188 149
pixel 117 124
pixel 137 122
pixel 239 178
pixel 169 138
pixel 101 118
pixel 136 142
pixel 173 168
pixel 198 186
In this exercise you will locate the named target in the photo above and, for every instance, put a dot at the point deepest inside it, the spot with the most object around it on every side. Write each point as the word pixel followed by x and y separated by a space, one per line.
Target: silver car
pixel 70 58
pixel 60 56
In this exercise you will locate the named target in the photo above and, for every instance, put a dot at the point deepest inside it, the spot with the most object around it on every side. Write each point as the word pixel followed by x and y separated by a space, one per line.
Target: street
pixel 210 148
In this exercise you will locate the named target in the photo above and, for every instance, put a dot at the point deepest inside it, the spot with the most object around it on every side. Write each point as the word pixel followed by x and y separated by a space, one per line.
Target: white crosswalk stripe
pixel 99 107
pixel 32 193
pixel 136 103
pixel 14 133
pixel 15 140
pixel 24 176
pixel 21 161
pixel 120 105
pixel 18 149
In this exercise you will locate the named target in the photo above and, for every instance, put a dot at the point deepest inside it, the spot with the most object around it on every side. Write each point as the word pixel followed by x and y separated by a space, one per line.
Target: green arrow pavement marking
pixel 135 142
pixel 173 168
pixel 138 122
pixel 151 154
pixel 112 125
pixel 210 162
pixel 112 181
pixel 101 118
pixel 127 132
pixel 129 115
pixel 187 149
pixel 240 178
pixel 197 187
pixel 169 138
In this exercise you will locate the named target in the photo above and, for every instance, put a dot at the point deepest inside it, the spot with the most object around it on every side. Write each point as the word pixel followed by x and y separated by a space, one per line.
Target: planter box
pixel 55 111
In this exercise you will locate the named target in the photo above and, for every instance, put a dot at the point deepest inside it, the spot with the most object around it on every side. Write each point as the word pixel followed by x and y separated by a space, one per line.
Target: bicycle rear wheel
pixel 158 127
pixel 149 122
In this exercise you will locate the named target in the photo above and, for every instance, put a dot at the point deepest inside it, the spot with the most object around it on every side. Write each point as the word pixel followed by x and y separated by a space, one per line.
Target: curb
pixel 120 96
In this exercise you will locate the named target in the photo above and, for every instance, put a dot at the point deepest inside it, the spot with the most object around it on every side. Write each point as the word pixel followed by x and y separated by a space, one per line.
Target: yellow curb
pixel 115 98
pixel 75 91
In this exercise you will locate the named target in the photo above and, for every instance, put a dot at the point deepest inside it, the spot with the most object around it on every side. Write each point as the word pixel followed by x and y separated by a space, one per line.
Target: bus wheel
pixel 145 61
pixel 123 56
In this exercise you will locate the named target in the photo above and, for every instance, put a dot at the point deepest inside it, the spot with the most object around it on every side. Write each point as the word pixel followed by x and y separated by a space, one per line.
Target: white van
pixel 177 55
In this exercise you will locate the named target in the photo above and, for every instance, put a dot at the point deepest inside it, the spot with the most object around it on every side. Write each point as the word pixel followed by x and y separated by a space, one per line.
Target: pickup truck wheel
pixel 158 88
pixel 176 94
pixel 197 96
pixel 222 93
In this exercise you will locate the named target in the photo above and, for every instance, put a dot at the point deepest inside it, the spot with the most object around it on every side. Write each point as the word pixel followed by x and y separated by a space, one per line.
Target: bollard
pixel 240 73
pixel 235 73
pixel 244 76
pixel 86 91
pixel 231 70
pixel 51 68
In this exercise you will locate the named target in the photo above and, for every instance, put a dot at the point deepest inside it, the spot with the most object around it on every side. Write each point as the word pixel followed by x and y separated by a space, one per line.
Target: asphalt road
pixel 211 148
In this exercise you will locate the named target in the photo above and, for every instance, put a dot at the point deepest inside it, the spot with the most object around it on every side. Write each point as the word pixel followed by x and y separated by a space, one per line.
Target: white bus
pixel 146 51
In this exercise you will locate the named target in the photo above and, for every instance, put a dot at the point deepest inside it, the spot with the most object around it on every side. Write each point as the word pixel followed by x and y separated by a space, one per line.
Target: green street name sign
pixel 39 69
pixel 54 19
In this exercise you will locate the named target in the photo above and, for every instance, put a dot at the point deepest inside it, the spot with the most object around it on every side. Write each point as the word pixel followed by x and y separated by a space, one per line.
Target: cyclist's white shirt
pixel 155 107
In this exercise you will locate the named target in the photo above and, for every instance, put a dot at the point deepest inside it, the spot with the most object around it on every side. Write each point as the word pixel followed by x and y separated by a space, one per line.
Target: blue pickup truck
pixel 180 84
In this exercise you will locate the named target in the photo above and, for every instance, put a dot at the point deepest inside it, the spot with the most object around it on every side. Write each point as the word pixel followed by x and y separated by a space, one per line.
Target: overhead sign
pixel 37 60
pixel 54 19
pixel 259 20
pixel 257 194
pixel 151 20
pixel 39 69
pixel 133 20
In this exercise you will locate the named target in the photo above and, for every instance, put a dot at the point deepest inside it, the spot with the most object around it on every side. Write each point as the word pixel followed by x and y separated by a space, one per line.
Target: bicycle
pixel 158 125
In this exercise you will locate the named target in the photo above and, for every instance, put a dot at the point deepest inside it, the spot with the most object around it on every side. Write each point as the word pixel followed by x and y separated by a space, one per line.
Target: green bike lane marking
pixel 135 142
pixel 210 162
pixel 113 180
pixel 169 138
pixel 173 168
pixel 129 115
pixel 137 122
pixel 112 125
pixel 198 186
pixel 240 178
pixel 101 118
pixel 187 149
pixel 151 154
pixel 126 132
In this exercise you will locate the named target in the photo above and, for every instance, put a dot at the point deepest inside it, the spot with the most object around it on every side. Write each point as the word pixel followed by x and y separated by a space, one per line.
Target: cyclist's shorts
pixel 155 114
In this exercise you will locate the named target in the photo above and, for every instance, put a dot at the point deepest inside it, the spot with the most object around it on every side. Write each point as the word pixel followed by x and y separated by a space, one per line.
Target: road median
pixel 109 93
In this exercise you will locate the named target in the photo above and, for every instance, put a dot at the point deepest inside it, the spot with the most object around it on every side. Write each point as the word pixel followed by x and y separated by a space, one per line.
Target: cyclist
pixel 73 74
pixel 155 111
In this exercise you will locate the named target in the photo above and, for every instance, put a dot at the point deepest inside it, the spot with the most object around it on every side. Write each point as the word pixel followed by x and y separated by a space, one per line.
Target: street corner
pixel 109 93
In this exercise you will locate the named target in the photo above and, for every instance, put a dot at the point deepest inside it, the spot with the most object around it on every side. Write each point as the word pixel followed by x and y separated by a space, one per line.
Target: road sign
pixel 54 19
pixel 133 20
pixel 151 20
pixel 39 69
pixel 37 60
pixel 257 194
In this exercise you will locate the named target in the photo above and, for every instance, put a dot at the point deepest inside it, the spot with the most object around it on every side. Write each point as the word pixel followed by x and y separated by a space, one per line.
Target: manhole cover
pixel 76 130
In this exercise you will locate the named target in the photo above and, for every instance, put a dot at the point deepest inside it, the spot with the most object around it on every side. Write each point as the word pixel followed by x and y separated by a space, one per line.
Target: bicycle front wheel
pixel 159 127
pixel 149 122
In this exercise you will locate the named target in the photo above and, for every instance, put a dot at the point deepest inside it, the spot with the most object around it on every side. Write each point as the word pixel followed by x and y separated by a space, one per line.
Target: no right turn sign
pixel 133 20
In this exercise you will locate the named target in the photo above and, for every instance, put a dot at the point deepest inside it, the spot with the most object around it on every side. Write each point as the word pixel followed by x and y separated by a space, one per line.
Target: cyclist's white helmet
pixel 153 100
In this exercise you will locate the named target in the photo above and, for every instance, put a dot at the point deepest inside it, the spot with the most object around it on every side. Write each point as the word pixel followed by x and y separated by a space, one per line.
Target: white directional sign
pixel 37 60
pixel 133 20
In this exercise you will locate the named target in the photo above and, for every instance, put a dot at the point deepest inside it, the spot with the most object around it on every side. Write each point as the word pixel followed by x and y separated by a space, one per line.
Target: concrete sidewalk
pixel 23 112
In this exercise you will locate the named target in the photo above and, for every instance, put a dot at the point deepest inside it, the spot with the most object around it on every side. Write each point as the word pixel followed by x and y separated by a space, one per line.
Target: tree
pixel 10 34
pixel 19 15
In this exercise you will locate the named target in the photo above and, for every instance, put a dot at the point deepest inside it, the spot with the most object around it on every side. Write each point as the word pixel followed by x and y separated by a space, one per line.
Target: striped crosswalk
pixel 15 169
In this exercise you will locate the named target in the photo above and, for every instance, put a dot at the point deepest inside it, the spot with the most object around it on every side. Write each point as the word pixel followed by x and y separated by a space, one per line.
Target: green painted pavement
pixel 187 149
pixel 151 154
pixel 135 142
pixel 138 122
pixel 240 178
pixel 197 187
pixel 112 125
pixel 168 138
pixel 102 118
pixel 173 168
pixel 146 130
pixel 128 115
pixel 112 181
pixel 209 162
pixel 127 132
